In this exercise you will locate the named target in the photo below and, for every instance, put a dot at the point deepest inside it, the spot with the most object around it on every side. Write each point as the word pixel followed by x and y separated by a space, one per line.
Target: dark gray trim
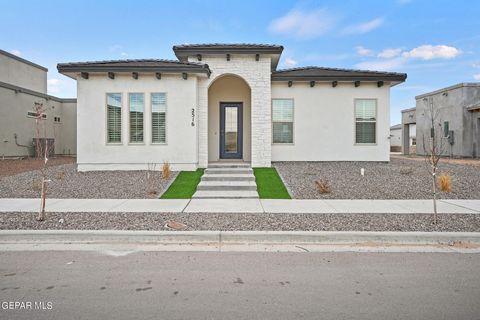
pixel 182 50
pixel 336 78
pixel 174 69
pixel 18 89
pixel 10 55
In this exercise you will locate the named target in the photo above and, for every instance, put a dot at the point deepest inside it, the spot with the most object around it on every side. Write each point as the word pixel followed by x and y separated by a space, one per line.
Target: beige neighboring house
pixel 22 83
pixel 224 102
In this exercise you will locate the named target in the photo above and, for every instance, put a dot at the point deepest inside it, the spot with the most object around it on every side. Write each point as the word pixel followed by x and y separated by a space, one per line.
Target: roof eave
pixel 64 69
pixel 393 79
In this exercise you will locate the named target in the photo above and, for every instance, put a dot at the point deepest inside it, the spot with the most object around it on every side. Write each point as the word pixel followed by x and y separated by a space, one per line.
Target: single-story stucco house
pixel 227 101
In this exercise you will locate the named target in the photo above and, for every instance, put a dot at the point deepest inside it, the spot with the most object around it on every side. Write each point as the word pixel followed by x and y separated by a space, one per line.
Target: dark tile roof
pixel 160 65
pixel 332 74
pixel 228 47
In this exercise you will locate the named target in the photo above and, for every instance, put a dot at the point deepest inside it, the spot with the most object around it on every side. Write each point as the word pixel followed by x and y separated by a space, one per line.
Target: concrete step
pixel 227 185
pixel 204 194
pixel 229 165
pixel 228 171
pixel 228 177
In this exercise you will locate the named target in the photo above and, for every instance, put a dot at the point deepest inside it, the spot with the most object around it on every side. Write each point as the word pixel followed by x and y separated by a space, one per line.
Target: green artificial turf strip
pixel 269 184
pixel 184 185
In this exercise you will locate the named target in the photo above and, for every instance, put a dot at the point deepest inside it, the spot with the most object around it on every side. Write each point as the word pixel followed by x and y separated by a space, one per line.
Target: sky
pixel 437 43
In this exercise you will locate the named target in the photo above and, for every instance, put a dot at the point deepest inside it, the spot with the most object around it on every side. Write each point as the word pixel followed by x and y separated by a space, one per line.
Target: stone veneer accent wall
pixel 257 74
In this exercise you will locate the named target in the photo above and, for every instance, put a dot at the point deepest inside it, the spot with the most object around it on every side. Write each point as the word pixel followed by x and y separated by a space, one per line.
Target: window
pixel 445 129
pixel 365 121
pixel 136 117
pixel 159 118
pixel 56 119
pixel 33 114
pixel 282 118
pixel 114 118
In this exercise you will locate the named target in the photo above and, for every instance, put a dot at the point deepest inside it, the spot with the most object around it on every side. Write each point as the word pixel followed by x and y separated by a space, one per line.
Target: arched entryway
pixel 229 119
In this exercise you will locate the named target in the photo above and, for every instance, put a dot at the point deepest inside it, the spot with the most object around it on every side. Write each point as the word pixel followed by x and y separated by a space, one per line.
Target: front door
pixel 231 130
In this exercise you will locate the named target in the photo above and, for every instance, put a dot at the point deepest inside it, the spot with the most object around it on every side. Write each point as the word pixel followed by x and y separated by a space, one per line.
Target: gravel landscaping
pixel 68 183
pixel 237 221
pixel 401 178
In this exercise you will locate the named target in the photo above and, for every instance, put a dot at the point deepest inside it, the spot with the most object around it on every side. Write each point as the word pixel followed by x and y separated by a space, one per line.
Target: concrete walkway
pixel 241 206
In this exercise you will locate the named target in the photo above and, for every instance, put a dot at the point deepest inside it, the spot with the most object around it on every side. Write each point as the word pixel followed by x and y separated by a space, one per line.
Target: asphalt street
pixel 202 285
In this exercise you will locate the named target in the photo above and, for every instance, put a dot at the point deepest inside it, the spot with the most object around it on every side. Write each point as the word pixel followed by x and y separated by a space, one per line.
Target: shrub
pixel 406 170
pixel 445 182
pixel 166 172
pixel 323 186
pixel 36 185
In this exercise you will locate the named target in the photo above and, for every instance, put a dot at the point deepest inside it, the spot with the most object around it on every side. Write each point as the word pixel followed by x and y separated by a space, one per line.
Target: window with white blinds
pixel 136 103
pixel 159 118
pixel 365 121
pixel 114 117
pixel 282 120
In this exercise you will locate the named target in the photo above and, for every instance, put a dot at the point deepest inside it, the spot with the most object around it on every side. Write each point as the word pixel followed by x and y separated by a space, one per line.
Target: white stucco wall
pixel 228 89
pixel 257 75
pixel 396 137
pixel 21 74
pixel 93 152
pixel 324 123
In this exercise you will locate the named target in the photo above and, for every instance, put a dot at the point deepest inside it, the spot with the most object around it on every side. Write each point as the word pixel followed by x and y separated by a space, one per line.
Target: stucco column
pixel 202 123
pixel 261 124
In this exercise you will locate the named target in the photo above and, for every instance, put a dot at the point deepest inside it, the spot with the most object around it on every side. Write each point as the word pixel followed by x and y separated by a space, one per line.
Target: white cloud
pixel 124 54
pixel 429 52
pixel 476 76
pixel 390 53
pixel 54 85
pixel 364 52
pixel 363 27
pixel 476 65
pixel 303 24
pixel 16 52
pixel 290 62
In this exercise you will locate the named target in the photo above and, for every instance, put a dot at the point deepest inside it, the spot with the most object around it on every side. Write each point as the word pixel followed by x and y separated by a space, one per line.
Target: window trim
pixel 293 123
pixel 355 143
pixel 33 115
pixel 106 119
pixel 166 119
pixel 128 122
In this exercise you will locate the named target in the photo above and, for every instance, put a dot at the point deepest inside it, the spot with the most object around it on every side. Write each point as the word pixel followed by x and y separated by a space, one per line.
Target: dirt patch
pixel 10 167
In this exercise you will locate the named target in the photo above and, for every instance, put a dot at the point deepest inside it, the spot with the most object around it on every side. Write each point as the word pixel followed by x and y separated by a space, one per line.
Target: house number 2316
pixel 193 117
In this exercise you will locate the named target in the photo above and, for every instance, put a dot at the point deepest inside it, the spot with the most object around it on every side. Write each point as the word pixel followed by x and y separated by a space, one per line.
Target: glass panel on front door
pixel 231 129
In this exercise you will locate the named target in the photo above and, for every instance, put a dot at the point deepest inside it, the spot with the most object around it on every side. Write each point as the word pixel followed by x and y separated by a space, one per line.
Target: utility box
pixel 451 139
pixel 39 149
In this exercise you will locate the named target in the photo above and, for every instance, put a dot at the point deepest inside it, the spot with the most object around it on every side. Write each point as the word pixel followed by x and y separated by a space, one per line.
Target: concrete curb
pixel 219 239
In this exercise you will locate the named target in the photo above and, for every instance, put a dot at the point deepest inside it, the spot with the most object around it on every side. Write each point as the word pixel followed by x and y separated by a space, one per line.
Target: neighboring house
pixel 396 138
pixel 458 110
pixel 22 83
pixel 227 101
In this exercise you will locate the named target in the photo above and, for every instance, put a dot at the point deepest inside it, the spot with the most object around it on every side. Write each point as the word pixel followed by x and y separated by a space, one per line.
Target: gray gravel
pixel 238 221
pixel 68 183
pixel 381 181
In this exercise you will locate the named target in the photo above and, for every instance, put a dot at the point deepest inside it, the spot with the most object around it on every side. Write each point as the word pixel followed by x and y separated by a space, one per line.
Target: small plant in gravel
pixel 60 175
pixel 150 178
pixel 406 170
pixel 36 185
pixel 166 172
pixel 323 186
pixel 445 182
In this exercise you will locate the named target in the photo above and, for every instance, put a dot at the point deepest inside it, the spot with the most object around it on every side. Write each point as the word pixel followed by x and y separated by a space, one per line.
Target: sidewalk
pixel 242 206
